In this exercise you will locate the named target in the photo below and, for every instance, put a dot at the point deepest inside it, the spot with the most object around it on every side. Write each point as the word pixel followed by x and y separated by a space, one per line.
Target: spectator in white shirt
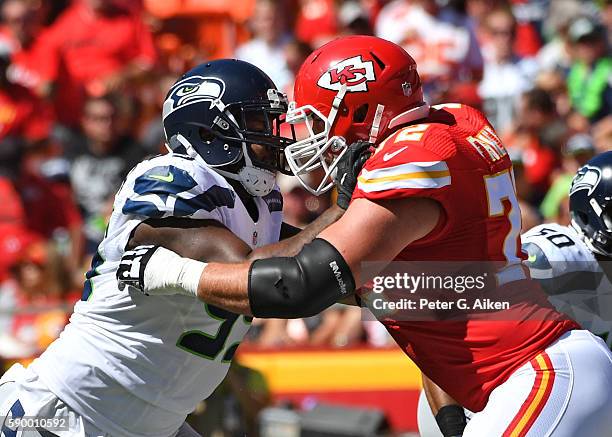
pixel 266 49
pixel 506 76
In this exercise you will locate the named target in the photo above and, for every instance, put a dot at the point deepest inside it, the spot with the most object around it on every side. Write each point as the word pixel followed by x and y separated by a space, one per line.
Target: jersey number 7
pixel 500 187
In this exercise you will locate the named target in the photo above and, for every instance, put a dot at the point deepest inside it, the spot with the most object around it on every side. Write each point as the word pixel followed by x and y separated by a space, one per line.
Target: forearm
pixel 226 286
pixel 449 415
pixel 280 287
pixel 291 246
pixel 436 397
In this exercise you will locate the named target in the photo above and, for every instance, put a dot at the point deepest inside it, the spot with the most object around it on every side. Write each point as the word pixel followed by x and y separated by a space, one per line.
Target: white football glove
pixel 154 270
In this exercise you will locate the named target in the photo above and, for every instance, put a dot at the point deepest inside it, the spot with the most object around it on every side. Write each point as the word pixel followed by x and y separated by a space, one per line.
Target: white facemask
pixel 313 152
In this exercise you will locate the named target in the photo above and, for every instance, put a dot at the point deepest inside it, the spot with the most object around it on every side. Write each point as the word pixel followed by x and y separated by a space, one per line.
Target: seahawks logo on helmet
pixel 194 89
pixel 587 178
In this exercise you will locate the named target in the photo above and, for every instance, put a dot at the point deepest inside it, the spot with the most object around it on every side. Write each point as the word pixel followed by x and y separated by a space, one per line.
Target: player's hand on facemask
pixel 154 270
pixel 348 168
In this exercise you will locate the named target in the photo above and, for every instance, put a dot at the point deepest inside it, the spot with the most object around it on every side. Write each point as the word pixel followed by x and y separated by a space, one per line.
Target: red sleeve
pixel 46 50
pixel 411 163
pixel 145 48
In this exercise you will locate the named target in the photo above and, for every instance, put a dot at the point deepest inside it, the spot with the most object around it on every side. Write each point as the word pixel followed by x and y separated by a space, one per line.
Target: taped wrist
pixel 166 272
pixel 451 420
pixel 301 286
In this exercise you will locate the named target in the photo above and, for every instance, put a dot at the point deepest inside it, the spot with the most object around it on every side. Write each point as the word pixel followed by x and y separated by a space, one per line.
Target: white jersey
pixel 569 272
pixel 137 365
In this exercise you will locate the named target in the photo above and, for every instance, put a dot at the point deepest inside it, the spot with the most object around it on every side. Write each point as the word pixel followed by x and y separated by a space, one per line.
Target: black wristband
pixel 451 420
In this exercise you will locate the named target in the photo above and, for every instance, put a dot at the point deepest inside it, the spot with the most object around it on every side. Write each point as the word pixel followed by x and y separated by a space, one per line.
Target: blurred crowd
pixel 82 83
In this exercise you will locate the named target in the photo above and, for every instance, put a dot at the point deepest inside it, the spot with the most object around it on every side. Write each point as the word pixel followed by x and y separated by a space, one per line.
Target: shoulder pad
pixel 560 243
pixel 404 168
pixel 177 191
pixel 538 263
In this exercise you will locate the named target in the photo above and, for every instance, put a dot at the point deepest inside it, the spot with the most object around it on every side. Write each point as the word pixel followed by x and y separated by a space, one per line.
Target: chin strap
pixel 376 123
pixel 177 142
pixel 256 181
pixel 336 106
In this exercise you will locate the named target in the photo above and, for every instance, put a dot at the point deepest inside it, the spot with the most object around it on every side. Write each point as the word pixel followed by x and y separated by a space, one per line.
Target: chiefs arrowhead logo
pixel 354 72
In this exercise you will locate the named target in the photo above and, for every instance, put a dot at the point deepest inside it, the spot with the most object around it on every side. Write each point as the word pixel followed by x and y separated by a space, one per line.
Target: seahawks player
pixel 130 365
pixel 572 263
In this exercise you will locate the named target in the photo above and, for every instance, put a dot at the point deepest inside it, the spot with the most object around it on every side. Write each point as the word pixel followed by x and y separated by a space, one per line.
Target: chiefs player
pixel 439 187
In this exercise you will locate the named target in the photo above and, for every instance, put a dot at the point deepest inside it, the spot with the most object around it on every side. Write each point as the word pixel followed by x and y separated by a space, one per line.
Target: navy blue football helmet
pixel 219 110
pixel 591 203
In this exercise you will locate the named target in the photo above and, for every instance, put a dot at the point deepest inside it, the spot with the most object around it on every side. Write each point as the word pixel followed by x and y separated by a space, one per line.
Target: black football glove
pixel 131 270
pixel 348 168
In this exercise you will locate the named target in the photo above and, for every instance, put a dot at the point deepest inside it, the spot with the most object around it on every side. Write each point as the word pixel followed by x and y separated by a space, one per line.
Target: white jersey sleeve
pixel 136 365
pixel 555 250
pixel 571 275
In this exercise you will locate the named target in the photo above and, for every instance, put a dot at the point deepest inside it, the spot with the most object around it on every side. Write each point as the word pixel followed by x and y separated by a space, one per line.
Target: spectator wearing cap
pixel 503 66
pixel 95 47
pixel 590 77
pixel 578 150
pixel 266 49
pixel 100 159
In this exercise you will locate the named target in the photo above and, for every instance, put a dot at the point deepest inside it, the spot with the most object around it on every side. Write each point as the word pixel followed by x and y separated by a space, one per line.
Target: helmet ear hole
pixel 361 113
pixel 206 135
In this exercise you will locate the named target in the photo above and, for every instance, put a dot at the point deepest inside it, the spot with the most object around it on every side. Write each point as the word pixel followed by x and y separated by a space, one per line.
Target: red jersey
pixel 26 69
pixel 455 157
pixel 23 114
pixel 81 49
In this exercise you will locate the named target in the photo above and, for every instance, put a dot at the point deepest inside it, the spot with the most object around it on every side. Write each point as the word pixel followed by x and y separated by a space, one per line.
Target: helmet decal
pixel 194 89
pixel 407 89
pixel 587 178
pixel 353 72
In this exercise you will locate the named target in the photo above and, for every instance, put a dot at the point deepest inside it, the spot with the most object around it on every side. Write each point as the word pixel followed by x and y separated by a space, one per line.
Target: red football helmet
pixel 352 88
